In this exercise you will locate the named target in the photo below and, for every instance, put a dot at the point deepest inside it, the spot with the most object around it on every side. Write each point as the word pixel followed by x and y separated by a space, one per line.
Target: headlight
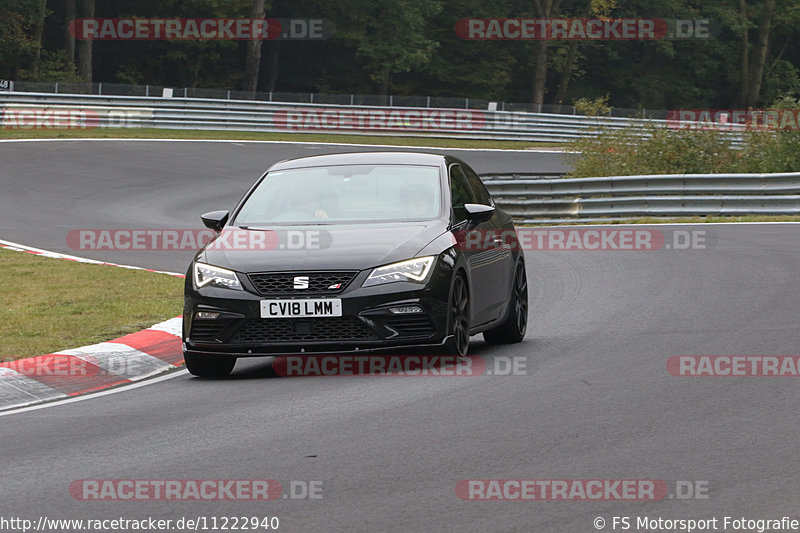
pixel 215 277
pixel 414 270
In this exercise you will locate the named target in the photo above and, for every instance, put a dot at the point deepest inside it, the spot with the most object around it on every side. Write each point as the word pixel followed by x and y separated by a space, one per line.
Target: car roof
pixel 361 158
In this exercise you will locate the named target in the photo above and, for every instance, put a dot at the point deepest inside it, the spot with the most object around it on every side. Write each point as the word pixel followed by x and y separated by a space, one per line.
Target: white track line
pixel 93 395
pixel 56 255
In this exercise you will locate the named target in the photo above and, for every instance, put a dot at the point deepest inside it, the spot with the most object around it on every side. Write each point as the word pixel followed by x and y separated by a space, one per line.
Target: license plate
pixel 301 308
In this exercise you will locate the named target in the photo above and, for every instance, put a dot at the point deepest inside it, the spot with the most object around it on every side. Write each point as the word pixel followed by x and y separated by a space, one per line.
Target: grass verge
pixel 155 133
pixel 50 304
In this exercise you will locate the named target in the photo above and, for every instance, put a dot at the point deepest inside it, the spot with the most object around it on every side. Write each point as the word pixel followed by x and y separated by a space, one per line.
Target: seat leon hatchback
pixel 349 252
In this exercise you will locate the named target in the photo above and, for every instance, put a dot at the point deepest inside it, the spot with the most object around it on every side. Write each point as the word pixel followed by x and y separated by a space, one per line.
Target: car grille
pixel 206 331
pixel 318 282
pixel 333 329
pixel 410 325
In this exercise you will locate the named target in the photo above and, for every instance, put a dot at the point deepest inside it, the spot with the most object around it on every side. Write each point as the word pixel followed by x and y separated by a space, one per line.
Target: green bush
pixel 659 150
pixel 770 152
pixel 593 108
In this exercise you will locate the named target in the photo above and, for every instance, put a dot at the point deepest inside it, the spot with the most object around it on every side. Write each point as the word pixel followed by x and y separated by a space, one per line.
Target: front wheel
pixel 209 366
pixel 516 323
pixel 458 343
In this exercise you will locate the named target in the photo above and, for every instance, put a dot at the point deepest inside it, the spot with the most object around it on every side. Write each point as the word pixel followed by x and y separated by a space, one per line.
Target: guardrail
pixel 537 198
pixel 528 197
pixel 79 111
pixel 122 89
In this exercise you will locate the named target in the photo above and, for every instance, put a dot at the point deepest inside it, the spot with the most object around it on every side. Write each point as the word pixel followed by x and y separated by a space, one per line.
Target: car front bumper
pixel 367 322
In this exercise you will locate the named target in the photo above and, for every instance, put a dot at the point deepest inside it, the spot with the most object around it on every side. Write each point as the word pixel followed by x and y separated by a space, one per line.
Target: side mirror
pixel 479 212
pixel 215 219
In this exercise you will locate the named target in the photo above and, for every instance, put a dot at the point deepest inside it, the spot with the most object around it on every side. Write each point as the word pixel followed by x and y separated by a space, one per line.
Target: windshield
pixel 346 193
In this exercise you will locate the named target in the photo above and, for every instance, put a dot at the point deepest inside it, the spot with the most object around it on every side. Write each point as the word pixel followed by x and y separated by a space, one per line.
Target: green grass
pixel 47 305
pixel 154 133
pixel 683 220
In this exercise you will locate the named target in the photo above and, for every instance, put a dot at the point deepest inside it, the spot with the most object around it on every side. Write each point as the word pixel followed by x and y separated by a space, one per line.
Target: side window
pixel 460 192
pixel 478 187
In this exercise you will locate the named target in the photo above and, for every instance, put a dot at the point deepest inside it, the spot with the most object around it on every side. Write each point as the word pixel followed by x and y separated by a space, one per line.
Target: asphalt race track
pixel 593 401
pixel 48 189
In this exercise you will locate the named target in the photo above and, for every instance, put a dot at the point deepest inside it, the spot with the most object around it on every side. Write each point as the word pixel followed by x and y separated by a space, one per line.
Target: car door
pixel 497 227
pixel 484 255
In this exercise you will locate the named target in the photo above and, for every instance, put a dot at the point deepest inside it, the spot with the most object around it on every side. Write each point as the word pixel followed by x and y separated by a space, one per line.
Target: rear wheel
pixel 458 343
pixel 516 323
pixel 209 366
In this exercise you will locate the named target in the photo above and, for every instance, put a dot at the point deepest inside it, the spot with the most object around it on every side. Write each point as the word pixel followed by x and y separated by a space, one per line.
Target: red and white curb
pixel 68 373
pixel 91 368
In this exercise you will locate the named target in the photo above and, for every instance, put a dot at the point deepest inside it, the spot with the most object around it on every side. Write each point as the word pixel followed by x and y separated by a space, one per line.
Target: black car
pixel 359 251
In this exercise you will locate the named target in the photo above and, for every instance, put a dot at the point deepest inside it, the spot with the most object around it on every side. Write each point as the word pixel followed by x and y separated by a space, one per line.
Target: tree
pixel 85 45
pixel 253 57
pixel 544 9
pixel 69 39
pixel 38 29
pixel 272 57
pixel 595 8
pixel 759 55
pixel 410 47
pixel 389 35
pixel 479 69
pixel 17 46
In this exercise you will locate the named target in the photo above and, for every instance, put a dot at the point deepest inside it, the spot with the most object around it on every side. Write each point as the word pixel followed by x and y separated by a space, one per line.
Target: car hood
pixel 319 247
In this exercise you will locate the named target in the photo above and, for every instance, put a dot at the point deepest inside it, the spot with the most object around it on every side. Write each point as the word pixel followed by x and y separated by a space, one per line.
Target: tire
pixel 458 319
pixel 209 366
pixel 516 323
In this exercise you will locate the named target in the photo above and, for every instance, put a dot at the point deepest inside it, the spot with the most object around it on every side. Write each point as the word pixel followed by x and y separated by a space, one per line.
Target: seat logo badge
pixel 301 282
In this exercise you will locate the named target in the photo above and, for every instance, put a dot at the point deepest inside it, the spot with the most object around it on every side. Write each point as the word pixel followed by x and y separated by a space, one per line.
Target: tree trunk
pixel 539 74
pixel 386 75
pixel 252 61
pixel 744 54
pixel 566 74
pixel 198 63
pixel 69 39
pixel 273 56
pixel 592 11
pixel 85 45
pixel 544 9
pixel 760 52
pixel 38 29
